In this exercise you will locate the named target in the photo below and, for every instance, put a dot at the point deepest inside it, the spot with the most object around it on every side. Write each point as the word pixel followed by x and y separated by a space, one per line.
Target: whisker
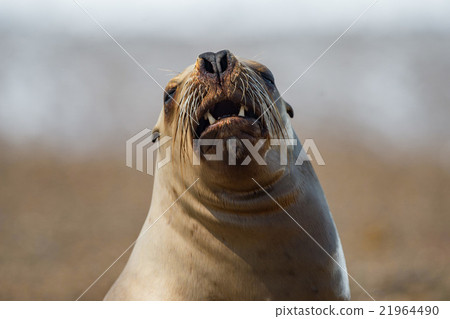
pixel 254 94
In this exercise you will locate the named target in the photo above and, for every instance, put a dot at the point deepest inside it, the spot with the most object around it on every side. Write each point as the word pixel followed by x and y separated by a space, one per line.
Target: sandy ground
pixel 63 223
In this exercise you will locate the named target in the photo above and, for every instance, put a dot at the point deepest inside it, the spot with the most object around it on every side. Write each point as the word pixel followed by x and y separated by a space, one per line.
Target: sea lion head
pixel 226 99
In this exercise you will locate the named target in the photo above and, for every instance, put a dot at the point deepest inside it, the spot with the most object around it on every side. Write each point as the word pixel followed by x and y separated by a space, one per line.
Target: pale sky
pixel 179 18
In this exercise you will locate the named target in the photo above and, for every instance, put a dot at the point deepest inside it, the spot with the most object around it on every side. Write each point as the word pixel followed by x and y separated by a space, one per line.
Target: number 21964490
pixel 409 310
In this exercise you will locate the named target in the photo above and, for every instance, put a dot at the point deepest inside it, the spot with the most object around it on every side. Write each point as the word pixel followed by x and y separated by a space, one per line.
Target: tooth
pixel 211 118
pixel 242 111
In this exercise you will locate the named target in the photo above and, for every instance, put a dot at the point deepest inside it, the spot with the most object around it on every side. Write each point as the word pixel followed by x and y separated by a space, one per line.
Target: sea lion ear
pixel 156 129
pixel 155 135
pixel 289 109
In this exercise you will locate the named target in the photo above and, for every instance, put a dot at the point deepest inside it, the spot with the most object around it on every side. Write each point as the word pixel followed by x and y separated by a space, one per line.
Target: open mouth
pixel 222 110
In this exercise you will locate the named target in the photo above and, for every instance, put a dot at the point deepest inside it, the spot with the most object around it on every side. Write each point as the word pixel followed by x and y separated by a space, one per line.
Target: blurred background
pixel 377 105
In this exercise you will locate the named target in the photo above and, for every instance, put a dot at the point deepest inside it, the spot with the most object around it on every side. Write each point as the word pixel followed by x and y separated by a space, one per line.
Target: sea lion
pixel 223 237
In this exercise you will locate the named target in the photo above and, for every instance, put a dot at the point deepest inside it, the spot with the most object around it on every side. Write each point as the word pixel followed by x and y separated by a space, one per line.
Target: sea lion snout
pixel 224 97
pixel 215 65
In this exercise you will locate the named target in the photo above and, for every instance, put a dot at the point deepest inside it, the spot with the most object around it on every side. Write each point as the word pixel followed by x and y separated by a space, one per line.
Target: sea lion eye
pixel 268 78
pixel 168 95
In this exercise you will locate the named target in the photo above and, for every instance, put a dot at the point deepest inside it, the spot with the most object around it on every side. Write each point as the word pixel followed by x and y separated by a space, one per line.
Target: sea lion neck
pixel 218 187
pixel 204 199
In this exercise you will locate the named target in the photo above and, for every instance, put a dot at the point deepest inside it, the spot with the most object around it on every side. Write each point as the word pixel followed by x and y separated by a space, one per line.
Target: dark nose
pixel 215 63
